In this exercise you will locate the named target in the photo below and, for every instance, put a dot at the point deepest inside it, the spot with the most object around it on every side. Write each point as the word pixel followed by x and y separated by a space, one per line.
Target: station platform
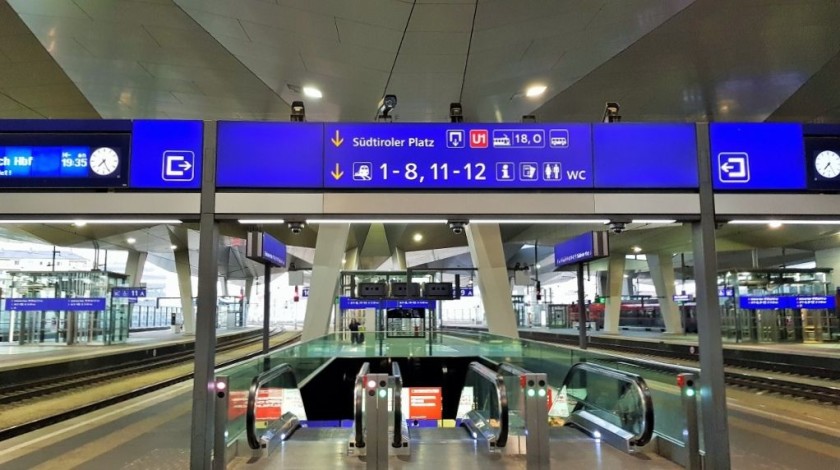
pixel 13 356
pixel 153 431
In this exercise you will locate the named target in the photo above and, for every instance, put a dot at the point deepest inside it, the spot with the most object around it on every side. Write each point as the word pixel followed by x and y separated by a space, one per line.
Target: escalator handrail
pixel 498 383
pixel 256 384
pixel 639 385
pixel 397 406
pixel 358 396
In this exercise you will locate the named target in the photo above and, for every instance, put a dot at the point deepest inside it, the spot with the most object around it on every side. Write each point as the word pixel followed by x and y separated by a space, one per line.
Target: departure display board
pixel 71 160
pixel 448 156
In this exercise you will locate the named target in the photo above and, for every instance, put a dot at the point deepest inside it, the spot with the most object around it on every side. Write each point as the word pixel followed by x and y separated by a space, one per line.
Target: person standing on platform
pixel 354 331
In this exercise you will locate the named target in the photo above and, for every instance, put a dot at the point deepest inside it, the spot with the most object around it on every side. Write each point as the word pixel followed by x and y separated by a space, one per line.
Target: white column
pixel 183 270
pixel 134 266
pixel 487 252
pixel 326 269
pixel 398 259
pixel 661 267
pixel 615 283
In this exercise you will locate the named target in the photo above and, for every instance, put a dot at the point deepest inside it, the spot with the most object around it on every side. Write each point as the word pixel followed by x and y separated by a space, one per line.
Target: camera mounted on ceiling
pixel 296 227
pixel 618 226
pixel 457 226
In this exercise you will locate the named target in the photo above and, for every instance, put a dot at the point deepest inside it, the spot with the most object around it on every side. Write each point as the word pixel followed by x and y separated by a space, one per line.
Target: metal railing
pixel 257 383
pixel 397 405
pixel 358 398
pixel 497 383
pixel 644 431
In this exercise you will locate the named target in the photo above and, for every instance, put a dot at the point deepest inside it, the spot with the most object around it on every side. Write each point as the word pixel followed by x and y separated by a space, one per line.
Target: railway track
pixel 22 394
pixel 796 380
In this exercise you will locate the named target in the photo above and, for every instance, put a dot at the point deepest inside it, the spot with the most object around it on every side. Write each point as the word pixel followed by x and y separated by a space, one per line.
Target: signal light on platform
pixel 371 384
pixel 531 392
pixel 686 384
pixel 220 386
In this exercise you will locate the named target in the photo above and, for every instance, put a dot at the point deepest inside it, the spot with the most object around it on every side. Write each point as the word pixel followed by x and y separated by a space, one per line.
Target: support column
pixel 661 267
pixel 615 283
pixel 488 255
pixel 204 386
pixel 351 259
pixel 134 266
pixel 712 385
pixel 184 272
pixel 398 259
pixel 329 251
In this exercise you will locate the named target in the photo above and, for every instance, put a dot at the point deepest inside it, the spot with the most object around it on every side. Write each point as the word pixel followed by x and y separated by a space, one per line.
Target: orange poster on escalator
pixel 425 403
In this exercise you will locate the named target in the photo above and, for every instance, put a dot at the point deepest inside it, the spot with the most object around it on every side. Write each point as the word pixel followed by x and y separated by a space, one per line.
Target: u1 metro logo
pixel 479 138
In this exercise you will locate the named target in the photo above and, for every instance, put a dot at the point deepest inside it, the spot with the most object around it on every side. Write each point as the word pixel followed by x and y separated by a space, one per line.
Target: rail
pixel 283 370
pixel 397 405
pixel 641 427
pixel 501 411
pixel 358 398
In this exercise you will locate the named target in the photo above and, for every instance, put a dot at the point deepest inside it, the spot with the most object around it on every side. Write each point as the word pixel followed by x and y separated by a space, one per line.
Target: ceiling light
pixel 538 266
pixel 418 237
pixel 130 240
pixel 81 223
pixel 654 221
pixel 535 90
pixel 785 222
pixel 173 247
pixel 261 221
pixel 312 92
pixel 539 221
pixel 774 224
pixel 375 221
pixel 637 249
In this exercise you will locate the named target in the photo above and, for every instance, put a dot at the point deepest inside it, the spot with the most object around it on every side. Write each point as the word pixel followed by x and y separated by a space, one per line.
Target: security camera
pixel 617 227
pixel 296 227
pixel 457 226
pixel 388 103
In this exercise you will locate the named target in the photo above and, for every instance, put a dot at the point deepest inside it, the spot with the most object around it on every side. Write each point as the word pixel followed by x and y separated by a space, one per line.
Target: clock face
pixel 827 164
pixel 104 161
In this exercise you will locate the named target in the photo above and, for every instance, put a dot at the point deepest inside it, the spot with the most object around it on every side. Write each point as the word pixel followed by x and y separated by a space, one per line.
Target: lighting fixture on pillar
pixel 456 112
pixel 611 112
pixel 386 106
pixel 298 112
pixel 529 119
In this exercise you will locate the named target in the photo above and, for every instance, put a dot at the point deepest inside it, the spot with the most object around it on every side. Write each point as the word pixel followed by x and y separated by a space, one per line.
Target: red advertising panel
pixel 237 404
pixel 425 403
pixel 269 401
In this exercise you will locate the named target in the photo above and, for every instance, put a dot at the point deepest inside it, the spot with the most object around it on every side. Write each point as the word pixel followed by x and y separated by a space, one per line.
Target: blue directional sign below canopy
pixel 56 304
pixel 582 248
pixel 447 156
pixel 128 292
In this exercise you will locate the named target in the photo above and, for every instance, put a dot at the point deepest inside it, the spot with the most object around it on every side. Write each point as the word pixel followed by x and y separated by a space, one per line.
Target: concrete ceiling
pixel 675 60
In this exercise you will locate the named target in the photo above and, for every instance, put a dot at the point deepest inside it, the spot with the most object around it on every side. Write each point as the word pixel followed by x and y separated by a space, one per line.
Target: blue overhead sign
pixel 467 292
pixel 269 155
pixel 447 156
pixel 346 303
pixel 757 156
pixel 55 304
pixel 166 154
pixel 644 156
pixel 787 301
pixel 264 248
pixel 585 247
pixel 128 292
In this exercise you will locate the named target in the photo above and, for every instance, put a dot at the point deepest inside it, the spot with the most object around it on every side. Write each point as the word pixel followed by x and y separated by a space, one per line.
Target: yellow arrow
pixel 337 140
pixel 337 173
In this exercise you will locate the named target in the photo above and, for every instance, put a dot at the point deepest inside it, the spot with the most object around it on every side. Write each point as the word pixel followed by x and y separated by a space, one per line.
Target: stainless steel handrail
pixel 395 372
pixel 253 391
pixel 501 394
pixel 646 433
pixel 358 397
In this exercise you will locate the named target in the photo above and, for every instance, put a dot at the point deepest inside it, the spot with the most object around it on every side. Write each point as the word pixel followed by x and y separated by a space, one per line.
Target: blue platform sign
pixel 264 248
pixel 346 303
pixel 787 301
pixel 452 156
pixel 56 304
pixel 585 247
pixel 271 155
pixel 644 156
pixel 128 292
pixel 166 154
pixel 757 156
pixel 726 291
pixel 682 298
pixel 304 292
pixel 467 292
